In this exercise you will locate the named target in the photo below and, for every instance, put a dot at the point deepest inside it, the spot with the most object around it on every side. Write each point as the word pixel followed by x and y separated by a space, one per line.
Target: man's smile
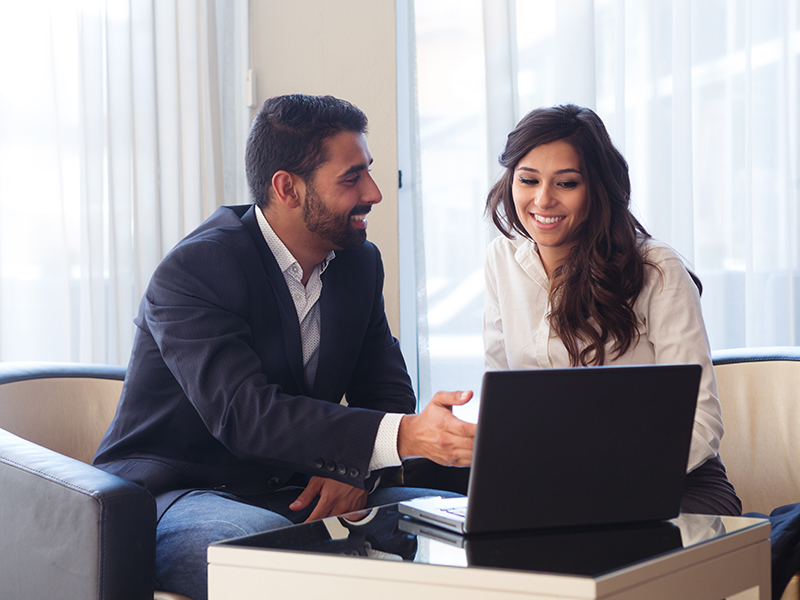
pixel 359 219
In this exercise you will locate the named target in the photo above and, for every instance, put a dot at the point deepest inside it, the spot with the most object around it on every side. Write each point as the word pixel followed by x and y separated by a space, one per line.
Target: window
pixel 701 98
pixel 119 133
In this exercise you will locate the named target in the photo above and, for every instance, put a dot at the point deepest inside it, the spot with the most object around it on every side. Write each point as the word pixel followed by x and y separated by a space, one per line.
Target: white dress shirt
pixel 517 334
pixel 306 303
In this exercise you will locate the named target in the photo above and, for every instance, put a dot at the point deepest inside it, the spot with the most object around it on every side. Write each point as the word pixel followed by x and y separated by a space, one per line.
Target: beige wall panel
pixel 345 48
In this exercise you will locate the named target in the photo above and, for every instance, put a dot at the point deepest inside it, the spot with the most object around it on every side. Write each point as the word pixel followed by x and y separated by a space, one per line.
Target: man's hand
pixel 335 498
pixel 437 434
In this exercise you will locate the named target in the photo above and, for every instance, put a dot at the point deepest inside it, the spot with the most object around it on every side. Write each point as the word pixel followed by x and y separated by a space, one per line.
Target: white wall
pixel 346 48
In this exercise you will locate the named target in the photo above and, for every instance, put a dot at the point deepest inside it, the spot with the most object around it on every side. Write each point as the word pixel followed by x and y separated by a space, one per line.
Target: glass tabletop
pixel 383 534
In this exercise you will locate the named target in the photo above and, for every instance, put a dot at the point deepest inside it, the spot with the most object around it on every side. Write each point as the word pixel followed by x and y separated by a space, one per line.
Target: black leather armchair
pixel 67 529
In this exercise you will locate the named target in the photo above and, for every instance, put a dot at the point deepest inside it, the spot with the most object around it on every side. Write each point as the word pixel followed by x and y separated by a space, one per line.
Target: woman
pixel 577 281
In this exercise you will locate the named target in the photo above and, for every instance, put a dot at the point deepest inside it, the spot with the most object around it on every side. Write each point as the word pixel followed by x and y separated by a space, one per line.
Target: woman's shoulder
pixel 657 252
pixel 665 264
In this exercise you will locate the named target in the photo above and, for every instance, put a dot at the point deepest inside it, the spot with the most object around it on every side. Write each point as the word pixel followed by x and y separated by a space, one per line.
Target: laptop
pixel 574 447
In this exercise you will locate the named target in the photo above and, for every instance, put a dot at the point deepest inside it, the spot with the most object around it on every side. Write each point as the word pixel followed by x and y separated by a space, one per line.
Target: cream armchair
pixel 67 529
pixel 759 389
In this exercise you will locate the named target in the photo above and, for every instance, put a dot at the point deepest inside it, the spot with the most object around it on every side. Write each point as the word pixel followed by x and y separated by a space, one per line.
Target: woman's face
pixel 551 199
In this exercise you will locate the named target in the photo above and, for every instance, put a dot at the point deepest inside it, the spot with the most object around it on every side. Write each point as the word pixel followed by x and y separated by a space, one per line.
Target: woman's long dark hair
pixel 593 291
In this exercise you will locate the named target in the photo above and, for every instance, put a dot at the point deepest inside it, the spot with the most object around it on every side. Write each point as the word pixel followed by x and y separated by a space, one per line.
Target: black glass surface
pixel 383 534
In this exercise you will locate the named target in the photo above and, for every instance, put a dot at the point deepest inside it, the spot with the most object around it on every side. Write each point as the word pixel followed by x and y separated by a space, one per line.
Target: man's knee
pixel 200 519
pixel 390 495
pixel 183 537
pixel 207 530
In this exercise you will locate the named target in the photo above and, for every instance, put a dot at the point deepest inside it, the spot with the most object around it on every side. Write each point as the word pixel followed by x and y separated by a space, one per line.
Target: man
pixel 251 331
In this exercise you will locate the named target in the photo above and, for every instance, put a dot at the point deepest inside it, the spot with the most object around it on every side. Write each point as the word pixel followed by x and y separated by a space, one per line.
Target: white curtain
pixel 110 151
pixel 701 98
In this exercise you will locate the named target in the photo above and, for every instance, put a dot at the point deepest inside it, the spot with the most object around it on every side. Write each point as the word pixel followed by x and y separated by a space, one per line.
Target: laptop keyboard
pixel 457 511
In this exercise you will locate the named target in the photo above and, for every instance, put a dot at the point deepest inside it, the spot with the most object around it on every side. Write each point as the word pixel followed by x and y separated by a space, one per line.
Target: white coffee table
pixel 715 558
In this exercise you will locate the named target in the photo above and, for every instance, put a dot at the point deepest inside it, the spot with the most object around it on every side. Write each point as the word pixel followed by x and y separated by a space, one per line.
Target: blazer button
pixel 330 466
pixel 342 469
pixel 353 472
pixel 319 463
pixel 274 482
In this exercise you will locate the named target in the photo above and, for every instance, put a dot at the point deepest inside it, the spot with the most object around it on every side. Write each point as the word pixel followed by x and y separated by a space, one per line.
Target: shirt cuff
pixel 384 453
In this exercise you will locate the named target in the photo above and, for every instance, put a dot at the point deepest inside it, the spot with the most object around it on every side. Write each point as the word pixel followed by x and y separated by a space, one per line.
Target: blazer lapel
pixel 288 312
pixel 337 314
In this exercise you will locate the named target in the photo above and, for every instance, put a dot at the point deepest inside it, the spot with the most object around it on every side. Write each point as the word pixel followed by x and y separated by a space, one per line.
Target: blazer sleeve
pixel 197 309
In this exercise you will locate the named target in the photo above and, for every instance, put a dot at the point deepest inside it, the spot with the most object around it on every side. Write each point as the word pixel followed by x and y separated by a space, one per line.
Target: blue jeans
pixel 204 516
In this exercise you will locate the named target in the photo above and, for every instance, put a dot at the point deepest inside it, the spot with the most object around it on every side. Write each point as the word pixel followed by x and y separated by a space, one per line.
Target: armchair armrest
pixel 70 530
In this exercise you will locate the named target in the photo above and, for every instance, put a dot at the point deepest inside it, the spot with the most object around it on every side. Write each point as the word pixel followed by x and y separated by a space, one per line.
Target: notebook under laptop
pixel 574 447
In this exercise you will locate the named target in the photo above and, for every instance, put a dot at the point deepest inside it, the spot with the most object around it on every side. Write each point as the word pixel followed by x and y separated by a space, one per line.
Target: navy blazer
pixel 215 394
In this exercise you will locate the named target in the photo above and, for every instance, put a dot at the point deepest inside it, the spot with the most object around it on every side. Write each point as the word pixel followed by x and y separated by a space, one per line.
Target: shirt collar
pixel 528 258
pixel 282 255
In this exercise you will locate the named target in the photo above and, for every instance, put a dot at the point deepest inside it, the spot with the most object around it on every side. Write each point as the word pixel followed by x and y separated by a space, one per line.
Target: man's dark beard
pixel 333 227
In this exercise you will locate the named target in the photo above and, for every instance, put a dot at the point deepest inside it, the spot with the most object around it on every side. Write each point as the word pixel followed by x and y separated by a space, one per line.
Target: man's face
pixel 341 192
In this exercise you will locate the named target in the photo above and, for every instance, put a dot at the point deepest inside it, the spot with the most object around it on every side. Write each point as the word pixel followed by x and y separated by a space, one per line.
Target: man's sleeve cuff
pixel 384 453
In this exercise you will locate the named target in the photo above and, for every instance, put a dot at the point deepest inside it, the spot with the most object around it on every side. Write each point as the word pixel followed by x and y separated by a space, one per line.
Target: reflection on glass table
pixel 383 534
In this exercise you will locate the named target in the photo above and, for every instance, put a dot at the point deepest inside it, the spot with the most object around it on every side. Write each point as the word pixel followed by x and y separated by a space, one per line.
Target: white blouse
pixel 517 334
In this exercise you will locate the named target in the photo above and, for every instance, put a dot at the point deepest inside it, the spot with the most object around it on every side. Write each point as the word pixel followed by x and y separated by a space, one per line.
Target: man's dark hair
pixel 289 133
